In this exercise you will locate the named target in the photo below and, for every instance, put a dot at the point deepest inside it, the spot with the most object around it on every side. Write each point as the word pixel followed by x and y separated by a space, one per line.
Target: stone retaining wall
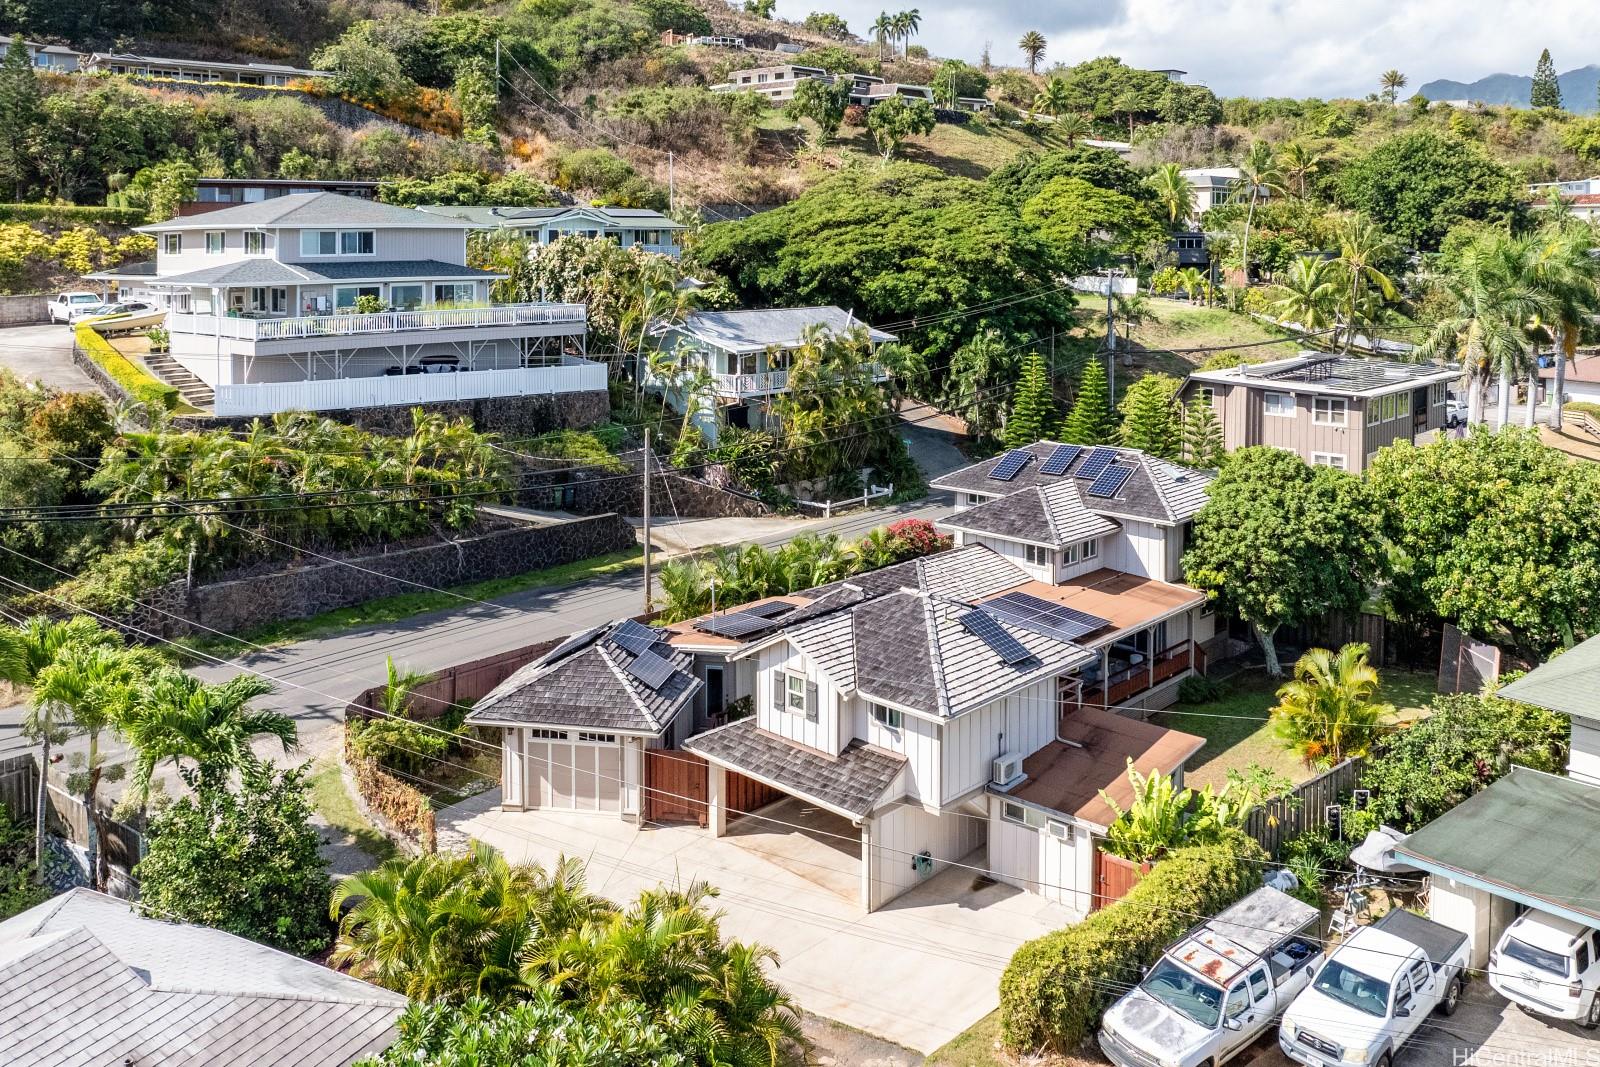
pixel 23 310
pixel 513 416
pixel 552 485
pixel 299 592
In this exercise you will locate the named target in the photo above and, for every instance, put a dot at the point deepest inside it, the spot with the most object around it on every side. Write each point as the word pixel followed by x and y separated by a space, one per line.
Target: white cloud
pixel 1323 48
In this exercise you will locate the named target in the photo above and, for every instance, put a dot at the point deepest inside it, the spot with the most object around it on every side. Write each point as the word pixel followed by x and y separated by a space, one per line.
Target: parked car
pixel 62 305
pixel 1549 966
pixel 1217 988
pixel 1374 991
pixel 1455 412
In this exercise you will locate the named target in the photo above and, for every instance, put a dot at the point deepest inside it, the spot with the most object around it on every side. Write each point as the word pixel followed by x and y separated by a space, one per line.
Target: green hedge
pixel 111 216
pixel 1057 986
pixel 139 383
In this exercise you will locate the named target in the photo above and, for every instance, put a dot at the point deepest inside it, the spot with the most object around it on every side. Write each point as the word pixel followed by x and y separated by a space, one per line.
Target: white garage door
pixel 574 771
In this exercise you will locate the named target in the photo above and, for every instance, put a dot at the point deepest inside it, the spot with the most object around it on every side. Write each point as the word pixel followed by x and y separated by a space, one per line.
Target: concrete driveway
pixel 917 973
pixel 43 353
pixel 1485 1031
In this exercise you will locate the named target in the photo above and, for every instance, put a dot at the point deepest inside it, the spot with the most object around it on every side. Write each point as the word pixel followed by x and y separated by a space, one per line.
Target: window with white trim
pixel 886 717
pixel 1374 410
pixel 1037 555
pixel 597 739
pixel 539 733
pixel 794 692
pixel 451 293
pixel 1207 396
pixel 1329 410
pixel 1021 814
pixel 172 243
pixel 1279 405
pixel 214 242
pixel 1069 555
pixel 255 243
pixel 1441 393
pixel 974 499
pixel 337 242
pixel 1336 460
pixel 1091 548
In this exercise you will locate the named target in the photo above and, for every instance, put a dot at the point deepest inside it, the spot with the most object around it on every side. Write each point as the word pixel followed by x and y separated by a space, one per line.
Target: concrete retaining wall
pixel 23 310
pixel 310 589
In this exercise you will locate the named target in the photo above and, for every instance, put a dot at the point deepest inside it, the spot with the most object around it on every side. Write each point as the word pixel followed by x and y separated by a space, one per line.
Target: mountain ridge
pixel 1579 89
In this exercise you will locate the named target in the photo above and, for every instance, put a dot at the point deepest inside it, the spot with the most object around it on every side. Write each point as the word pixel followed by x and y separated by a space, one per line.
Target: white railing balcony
pixel 768 382
pixel 354 324
pixel 338 394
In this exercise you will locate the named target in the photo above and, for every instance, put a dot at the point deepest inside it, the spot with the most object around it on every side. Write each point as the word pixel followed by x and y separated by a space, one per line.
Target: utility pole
pixel 671 198
pixel 647 520
pixel 497 70
pixel 1111 275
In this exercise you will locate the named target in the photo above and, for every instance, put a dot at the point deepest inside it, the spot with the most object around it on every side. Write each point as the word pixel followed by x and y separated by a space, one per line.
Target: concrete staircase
pixel 195 392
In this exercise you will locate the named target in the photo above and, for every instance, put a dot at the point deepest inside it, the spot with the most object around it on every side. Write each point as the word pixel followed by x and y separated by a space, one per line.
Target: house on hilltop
pixel 628 227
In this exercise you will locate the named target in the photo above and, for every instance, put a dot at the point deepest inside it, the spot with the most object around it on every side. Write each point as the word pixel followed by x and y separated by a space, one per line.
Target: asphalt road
pixel 43 353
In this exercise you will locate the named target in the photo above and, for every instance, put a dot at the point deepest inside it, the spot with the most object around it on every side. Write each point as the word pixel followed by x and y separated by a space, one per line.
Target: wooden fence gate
pixel 677 788
pixel 1114 877
pixel 1303 808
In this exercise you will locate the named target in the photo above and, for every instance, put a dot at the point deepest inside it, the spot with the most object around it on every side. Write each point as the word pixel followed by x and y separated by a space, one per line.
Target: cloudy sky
pixel 1320 48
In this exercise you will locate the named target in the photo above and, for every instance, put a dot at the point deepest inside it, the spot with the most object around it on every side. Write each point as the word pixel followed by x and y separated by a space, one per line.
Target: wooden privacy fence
pixel 1114 877
pixel 65 815
pixel 464 683
pixel 1303 808
pixel 19 786
pixel 677 788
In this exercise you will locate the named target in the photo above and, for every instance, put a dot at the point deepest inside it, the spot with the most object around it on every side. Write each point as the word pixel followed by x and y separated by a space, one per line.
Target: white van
pixel 1550 966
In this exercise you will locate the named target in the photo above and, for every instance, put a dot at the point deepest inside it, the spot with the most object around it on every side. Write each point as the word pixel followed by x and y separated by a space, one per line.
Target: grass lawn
pixel 979 1046
pixel 405 605
pixel 333 802
pixel 1237 734
pixel 1174 324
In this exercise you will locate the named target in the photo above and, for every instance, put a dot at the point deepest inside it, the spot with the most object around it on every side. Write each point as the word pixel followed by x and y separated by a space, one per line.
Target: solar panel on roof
pixel 1111 481
pixel 1059 460
pixel 633 637
pixel 1011 464
pixel 575 643
pixel 1043 616
pixel 734 624
pixel 987 630
pixel 1096 463
pixel 769 611
pixel 651 669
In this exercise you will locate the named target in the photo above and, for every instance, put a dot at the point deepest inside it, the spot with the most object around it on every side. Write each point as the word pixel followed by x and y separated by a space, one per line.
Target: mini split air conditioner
pixel 1007 770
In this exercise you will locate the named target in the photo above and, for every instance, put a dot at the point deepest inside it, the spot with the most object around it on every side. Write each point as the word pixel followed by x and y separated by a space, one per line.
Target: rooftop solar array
pixel 575 643
pixel 1096 462
pixel 1011 464
pixel 1111 481
pixel 1059 460
pixel 633 637
pixel 1355 374
pixel 735 624
pixel 651 669
pixel 985 628
pixel 1043 616
pixel 770 610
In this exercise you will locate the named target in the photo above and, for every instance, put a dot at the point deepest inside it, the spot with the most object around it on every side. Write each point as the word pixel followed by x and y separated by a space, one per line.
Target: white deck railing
pixel 354 324
pixel 337 394
pixel 769 382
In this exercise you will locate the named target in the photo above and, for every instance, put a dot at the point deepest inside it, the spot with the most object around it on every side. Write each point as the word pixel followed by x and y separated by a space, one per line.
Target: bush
pixel 1056 987
pixel 72 213
pixel 587 448
pixel 1200 689
pixel 140 385
pixel 1166 281
pixel 397 744
pixel 18 892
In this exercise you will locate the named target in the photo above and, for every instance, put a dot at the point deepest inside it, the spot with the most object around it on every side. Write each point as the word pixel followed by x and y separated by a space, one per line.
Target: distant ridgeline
pixel 1579 89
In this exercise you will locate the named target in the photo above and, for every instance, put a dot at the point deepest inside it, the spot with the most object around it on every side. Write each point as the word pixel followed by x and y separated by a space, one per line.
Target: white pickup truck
pixel 1218 988
pixel 1374 992
pixel 61 306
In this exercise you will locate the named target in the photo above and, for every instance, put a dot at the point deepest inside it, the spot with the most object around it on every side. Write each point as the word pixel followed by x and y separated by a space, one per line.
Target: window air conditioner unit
pixel 1007 770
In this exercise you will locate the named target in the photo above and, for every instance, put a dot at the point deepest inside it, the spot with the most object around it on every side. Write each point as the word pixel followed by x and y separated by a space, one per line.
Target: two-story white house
pixel 1528 841
pixel 317 301
pixel 747 356
pixel 650 231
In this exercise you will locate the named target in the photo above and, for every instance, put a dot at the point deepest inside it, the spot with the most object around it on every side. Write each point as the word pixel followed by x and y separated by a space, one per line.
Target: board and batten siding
pixel 898 832
pixel 1583 761
pixel 1060 870
pixel 445 245
pixel 1021 724
pixel 1140 549
pixel 917 740
pixel 824 734
pixel 1011 550
pixel 514 788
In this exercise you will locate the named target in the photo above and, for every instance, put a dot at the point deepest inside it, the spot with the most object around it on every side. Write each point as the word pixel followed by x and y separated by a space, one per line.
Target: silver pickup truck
pixel 1218 988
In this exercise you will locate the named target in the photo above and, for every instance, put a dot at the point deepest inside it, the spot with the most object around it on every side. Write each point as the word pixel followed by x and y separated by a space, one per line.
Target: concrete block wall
pixel 23 310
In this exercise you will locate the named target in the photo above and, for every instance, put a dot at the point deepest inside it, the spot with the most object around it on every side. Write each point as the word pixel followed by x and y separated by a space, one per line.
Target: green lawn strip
pixel 407 605
pixel 333 802
pixel 973 1047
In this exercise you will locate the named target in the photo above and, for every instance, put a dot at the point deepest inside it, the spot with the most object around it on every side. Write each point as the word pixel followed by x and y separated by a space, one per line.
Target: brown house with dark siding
pixel 1334 411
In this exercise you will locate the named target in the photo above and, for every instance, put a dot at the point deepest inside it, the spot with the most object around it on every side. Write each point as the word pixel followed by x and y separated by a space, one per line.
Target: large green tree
pixel 1546 90
pixel 1033 407
pixel 1419 184
pixel 1151 418
pixel 1091 421
pixel 1074 214
pixel 1025 175
pixel 823 102
pixel 1281 542
pixel 19 111
pixel 895 119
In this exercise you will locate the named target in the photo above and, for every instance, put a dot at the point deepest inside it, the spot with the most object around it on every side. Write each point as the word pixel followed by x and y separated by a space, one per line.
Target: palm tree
pixel 1362 246
pixel 1309 294
pixel 1194 284
pixel 1173 192
pixel 1328 712
pixel 1566 268
pixel 908 23
pixel 402 683
pixel 1393 81
pixel 1298 162
pixel 1258 174
pixel 1053 99
pixel 1073 126
pixel 178 717
pixel 882 29
pixel 1032 45
pixel 25 651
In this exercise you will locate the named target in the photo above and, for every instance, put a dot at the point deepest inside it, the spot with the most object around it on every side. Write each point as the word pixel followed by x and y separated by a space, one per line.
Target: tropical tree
pixel 1151 417
pixel 1309 294
pixel 1032 45
pixel 1202 436
pixel 1091 422
pixel 1329 711
pixel 1363 246
pixel 178 717
pixel 978 371
pixel 1195 286
pixel 906 24
pixel 1173 192
pixel 1298 163
pixel 1054 98
pixel 1568 272
pixel 823 102
pixel 25 651
pixel 1392 81
pixel 1258 175
pixel 1546 90
pixel 1072 127
pixel 400 684
pixel 1162 816
pixel 1033 406
pixel 880 29
pixel 895 119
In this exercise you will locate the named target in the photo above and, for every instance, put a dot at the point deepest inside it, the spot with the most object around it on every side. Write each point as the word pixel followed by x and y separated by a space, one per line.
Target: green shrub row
pixel 1057 986
pixel 139 383
pixel 67 213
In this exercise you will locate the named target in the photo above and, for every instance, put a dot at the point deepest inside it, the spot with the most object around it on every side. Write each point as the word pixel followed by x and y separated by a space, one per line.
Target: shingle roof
pixel 590 686
pixel 1053 515
pixel 272 272
pixel 509 216
pixel 851 783
pixel 756 331
pixel 85 979
pixel 309 209
pixel 1157 491
pixel 1569 684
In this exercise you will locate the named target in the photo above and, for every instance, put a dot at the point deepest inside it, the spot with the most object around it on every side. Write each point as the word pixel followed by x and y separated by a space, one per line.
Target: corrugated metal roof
pixel 86 980
pixel 1569 683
